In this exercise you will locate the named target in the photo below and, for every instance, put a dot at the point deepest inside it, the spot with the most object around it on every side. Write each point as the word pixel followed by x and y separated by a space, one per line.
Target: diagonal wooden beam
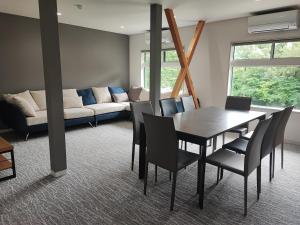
pixel 184 60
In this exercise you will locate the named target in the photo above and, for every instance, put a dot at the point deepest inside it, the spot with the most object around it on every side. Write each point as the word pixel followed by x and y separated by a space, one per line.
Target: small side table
pixel 5 163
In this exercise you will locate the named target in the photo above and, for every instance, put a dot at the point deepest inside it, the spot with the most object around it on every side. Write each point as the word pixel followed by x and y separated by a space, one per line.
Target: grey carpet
pixel 100 188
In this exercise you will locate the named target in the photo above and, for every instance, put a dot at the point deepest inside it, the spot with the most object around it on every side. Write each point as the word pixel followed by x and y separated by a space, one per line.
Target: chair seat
pixel 186 158
pixel 239 130
pixel 228 160
pixel 248 135
pixel 239 145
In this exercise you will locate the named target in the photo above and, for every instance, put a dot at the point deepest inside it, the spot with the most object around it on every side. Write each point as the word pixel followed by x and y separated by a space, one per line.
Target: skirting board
pixel 58 174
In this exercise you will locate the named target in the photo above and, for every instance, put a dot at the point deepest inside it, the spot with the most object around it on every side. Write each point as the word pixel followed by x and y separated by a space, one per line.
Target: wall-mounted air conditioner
pixel 280 21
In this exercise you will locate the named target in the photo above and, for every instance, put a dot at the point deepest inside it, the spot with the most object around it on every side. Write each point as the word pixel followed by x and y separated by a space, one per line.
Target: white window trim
pixel 269 62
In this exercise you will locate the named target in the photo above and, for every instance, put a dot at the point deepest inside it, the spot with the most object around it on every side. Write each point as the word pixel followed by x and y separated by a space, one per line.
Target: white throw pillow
pixel 70 93
pixel 120 97
pixel 102 94
pixel 40 99
pixel 27 97
pixel 73 102
pixel 24 105
pixel 144 96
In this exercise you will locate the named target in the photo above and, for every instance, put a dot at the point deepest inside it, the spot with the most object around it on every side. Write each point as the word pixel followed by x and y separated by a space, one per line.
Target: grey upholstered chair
pixel 238 103
pixel 240 164
pixel 162 149
pixel 137 108
pixel 168 107
pixel 239 145
pixel 279 139
pixel 188 103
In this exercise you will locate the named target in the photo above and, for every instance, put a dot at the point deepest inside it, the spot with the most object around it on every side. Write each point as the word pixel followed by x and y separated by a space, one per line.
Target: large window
pixel 269 72
pixel 170 68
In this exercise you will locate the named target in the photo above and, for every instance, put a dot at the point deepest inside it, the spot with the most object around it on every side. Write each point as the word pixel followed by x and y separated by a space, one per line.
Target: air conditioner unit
pixel 288 20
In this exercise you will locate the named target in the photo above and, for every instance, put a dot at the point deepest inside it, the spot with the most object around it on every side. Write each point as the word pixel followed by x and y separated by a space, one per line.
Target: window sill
pixel 272 108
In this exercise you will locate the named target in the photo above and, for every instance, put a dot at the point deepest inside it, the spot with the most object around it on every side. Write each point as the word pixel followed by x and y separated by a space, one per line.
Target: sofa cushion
pixel 21 103
pixel 106 108
pixel 74 113
pixel 87 95
pixel 120 97
pixel 72 102
pixel 134 93
pixel 40 99
pixel 127 105
pixel 102 94
pixel 40 118
pixel 27 97
pixel 70 93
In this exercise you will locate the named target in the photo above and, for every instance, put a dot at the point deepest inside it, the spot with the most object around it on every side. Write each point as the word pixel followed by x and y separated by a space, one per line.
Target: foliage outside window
pixel 170 68
pixel 269 72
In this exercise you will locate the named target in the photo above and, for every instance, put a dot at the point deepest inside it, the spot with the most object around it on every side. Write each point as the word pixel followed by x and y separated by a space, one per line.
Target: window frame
pixel 164 63
pixel 269 62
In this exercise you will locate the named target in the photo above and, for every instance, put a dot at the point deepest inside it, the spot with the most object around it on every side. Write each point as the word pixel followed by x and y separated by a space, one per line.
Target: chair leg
pixel 282 155
pixel 221 175
pixel 185 146
pixel 258 177
pixel 271 166
pixel 132 156
pixel 218 175
pixel 223 137
pixel 181 146
pixel 173 190
pixel 245 195
pixel 155 173
pixel 170 175
pixel 273 169
pixel 198 176
pixel 146 178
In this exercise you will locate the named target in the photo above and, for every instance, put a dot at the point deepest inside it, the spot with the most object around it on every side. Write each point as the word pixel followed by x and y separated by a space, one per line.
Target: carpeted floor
pixel 100 188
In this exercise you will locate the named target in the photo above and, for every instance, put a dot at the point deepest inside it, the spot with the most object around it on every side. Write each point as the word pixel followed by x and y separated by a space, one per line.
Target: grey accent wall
pixel 89 57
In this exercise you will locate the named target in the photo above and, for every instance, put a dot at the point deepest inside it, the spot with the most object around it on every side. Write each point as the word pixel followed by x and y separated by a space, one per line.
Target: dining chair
pixel 279 140
pixel 188 103
pixel 241 104
pixel 168 107
pixel 239 145
pixel 163 151
pixel 137 108
pixel 240 164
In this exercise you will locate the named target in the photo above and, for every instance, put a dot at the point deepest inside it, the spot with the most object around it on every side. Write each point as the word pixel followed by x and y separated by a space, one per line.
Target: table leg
pixel 214 143
pixel 13 163
pixel 142 154
pixel 202 176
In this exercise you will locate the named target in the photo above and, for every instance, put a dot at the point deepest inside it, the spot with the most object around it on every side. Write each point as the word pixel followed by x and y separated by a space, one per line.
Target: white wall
pixel 210 64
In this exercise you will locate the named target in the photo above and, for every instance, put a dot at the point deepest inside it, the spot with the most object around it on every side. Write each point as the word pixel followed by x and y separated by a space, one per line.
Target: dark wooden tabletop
pixel 208 122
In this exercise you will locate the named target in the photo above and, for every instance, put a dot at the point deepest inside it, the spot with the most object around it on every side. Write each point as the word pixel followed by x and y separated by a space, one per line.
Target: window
pixel 269 72
pixel 170 68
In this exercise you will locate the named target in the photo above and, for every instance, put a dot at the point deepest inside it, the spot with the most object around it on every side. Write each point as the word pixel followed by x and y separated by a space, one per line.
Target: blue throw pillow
pixel 87 95
pixel 116 90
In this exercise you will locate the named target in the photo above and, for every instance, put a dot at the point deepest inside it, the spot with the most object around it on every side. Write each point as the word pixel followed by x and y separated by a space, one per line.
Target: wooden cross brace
pixel 184 59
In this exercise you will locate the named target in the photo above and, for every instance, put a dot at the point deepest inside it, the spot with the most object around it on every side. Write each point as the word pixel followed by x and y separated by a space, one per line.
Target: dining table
pixel 198 127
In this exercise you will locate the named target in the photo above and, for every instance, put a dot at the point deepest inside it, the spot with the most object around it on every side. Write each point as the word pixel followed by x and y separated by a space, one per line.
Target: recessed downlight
pixel 122 27
pixel 59 13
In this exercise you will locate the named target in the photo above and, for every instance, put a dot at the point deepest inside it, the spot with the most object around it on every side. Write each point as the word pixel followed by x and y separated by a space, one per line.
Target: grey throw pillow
pixel 120 97
pixel 134 94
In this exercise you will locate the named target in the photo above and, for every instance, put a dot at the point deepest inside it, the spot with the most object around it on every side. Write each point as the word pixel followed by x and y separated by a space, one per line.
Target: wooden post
pixel 184 59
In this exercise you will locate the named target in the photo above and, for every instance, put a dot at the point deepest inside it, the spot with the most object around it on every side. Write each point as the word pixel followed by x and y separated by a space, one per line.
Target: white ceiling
pixel 134 15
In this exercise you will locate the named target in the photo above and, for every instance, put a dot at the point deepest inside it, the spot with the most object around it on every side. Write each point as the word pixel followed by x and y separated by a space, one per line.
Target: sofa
pixel 26 112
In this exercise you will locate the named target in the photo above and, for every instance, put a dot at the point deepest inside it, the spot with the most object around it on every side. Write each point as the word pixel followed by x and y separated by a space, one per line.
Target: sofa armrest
pixel 13 117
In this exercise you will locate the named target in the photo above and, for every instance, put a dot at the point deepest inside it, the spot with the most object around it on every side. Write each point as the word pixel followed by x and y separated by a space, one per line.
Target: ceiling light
pixel 257 0
pixel 58 13
pixel 122 27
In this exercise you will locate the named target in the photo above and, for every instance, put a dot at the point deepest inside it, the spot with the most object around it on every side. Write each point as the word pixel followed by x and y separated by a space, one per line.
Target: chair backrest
pixel 137 109
pixel 253 151
pixel 238 103
pixel 188 103
pixel 162 143
pixel 168 107
pixel 281 128
pixel 270 135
